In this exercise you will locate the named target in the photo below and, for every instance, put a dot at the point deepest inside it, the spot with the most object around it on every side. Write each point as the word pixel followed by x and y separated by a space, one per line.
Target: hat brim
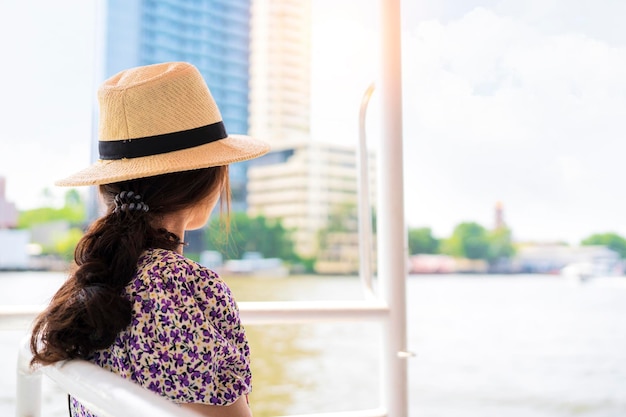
pixel 234 148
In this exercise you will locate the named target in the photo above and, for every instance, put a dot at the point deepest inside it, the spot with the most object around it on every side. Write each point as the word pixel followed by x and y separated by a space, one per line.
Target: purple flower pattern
pixel 185 341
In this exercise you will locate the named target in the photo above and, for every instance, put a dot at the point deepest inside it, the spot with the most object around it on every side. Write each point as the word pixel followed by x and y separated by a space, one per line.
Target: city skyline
pixel 503 102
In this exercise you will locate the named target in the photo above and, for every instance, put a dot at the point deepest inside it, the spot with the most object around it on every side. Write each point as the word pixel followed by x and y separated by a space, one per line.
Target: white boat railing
pixel 109 395
pixel 106 394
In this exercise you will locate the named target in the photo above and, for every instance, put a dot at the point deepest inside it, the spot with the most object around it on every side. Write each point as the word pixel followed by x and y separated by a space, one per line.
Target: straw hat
pixel 159 119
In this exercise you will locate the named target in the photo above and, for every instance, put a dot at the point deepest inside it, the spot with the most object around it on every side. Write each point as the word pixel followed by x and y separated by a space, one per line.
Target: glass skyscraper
pixel 214 35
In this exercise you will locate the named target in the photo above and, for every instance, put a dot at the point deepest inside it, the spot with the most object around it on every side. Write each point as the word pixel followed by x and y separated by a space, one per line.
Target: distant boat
pixel 581 271
pixel 266 267
pixel 254 264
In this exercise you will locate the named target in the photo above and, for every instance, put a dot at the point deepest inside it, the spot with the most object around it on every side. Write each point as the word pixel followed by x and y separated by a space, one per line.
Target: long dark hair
pixel 90 309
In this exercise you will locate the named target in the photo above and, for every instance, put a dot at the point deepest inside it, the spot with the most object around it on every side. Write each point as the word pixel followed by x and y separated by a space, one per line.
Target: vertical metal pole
pixel 365 209
pixel 28 392
pixel 391 232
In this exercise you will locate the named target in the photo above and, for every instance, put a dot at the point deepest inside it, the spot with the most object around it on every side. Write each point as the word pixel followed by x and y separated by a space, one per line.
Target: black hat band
pixel 159 144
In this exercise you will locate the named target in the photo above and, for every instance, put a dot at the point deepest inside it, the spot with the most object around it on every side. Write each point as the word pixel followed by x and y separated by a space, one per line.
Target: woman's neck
pixel 175 223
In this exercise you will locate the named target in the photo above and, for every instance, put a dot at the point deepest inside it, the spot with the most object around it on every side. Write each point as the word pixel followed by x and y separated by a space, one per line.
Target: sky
pixel 522 103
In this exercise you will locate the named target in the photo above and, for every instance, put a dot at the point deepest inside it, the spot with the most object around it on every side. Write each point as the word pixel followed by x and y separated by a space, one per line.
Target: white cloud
pixel 496 109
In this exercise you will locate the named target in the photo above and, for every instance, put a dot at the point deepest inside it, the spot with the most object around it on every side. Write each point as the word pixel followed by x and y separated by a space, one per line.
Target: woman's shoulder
pixel 164 274
pixel 157 258
pixel 168 266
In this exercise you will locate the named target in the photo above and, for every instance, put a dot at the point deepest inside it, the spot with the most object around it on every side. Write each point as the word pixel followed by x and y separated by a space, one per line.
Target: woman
pixel 133 304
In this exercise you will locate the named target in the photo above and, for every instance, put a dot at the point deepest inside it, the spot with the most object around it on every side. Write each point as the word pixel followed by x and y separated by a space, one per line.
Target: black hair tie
pixel 127 201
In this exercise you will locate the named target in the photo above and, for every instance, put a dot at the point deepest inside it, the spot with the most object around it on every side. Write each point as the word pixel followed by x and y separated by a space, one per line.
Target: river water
pixel 516 346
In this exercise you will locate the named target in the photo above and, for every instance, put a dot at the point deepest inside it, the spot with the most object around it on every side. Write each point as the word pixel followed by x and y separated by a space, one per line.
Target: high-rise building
pixel 305 183
pixel 214 35
pixel 8 211
pixel 280 70
pixel 310 185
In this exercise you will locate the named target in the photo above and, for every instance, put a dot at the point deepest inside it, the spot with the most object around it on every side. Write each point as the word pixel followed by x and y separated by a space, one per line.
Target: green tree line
pixel 473 241
pixel 243 233
pixel 73 212
pixel 468 240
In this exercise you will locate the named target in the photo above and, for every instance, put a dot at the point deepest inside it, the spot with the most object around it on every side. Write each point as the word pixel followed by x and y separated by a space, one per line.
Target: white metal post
pixel 391 231
pixel 28 392
pixel 365 209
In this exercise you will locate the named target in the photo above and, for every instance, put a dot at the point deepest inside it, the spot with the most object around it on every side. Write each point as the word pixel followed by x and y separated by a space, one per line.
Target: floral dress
pixel 185 341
